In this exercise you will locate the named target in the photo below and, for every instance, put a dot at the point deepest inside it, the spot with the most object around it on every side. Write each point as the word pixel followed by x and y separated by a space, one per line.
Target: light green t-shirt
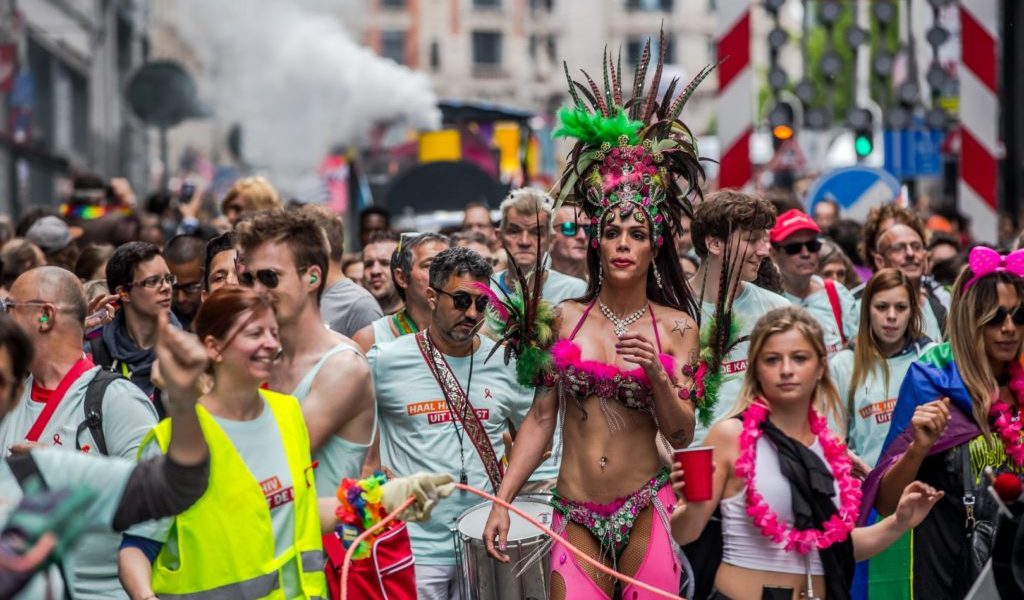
pixel 869 412
pixel 107 477
pixel 819 307
pixel 750 304
pixel 128 415
pixel 338 458
pixel 417 433
pixel 258 442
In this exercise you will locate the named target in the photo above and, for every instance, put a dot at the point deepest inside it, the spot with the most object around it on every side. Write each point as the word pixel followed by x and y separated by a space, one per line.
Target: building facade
pixel 63 112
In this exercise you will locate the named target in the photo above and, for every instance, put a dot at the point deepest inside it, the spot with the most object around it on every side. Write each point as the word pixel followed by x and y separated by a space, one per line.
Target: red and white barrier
pixel 980 147
pixel 735 101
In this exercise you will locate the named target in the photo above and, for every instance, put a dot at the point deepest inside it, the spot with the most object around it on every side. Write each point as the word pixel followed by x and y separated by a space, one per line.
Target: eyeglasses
pixel 9 304
pixel 905 248
pixel 154 281
pixel 189 288
pixel 1001 313
pixel 794 248
pixel 570 228
pixel 462 300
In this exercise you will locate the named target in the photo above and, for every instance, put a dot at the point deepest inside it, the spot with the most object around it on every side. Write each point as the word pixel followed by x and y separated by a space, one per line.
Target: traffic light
pixel 782 123
pixel 862 122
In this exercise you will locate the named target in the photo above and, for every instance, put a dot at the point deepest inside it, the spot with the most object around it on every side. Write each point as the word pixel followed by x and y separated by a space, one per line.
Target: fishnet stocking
pixel 629 562
pixel 557 587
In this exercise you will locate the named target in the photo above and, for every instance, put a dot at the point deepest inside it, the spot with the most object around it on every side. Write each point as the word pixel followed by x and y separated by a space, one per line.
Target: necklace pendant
pixel 604 462
pixel 619 331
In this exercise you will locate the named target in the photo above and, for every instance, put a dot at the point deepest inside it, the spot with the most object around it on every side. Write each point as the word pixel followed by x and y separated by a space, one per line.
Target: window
pixel 487 4
pixel 392 4
pixel 392 45
pixel 435 56
pixel 487 49
pixel 635 46
pixel 664 5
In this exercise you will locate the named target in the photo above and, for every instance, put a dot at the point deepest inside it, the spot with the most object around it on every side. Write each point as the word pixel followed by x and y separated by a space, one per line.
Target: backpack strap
pixel 937 309
pixel 837 310
pixel 100 355
pixel 93 407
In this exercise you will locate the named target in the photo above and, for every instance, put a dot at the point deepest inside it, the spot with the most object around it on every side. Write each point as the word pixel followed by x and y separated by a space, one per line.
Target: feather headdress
pixel 630 154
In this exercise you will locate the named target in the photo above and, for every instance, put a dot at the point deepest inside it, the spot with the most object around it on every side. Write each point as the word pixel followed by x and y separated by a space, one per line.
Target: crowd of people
pixel 182 393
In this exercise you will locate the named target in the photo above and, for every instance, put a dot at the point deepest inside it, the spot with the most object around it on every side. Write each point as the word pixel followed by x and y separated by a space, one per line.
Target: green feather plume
pixel 713 376
pixel 595 129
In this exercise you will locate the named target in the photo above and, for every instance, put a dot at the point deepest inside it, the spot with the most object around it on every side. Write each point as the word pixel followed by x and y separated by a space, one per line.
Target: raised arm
pixel 928 423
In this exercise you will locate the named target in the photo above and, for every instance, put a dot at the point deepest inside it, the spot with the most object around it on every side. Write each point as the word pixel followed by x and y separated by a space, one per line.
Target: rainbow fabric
pixel 360 508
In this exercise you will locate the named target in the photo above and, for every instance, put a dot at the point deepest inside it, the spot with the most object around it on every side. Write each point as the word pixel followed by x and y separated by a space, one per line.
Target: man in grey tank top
pixel 285 255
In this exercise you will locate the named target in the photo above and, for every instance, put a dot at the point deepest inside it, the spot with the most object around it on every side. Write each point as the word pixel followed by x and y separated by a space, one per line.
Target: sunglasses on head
pixel 1001 313
pixel 795 248
pixel 462 300
pixel 570 228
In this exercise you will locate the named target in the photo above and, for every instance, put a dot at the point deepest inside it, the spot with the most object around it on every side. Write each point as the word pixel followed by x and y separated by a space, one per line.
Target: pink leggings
pixel 660 565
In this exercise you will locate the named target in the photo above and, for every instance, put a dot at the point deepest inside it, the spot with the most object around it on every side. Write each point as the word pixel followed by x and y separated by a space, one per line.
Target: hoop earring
pixel 657 278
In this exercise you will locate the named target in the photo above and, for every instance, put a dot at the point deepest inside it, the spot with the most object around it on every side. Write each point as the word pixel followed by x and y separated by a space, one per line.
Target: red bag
pixel 387 574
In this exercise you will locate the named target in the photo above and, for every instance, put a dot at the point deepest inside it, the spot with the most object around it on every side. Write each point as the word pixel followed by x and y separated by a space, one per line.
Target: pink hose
pixel 597 565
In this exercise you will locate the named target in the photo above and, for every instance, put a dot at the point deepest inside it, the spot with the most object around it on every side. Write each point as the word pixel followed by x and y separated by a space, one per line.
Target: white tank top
pixel 743 543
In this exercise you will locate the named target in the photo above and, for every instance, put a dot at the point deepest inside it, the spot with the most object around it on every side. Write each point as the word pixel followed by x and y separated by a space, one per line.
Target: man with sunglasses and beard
pixel 285 256
pixel 795 249
pixel 569 242
pixel 443 409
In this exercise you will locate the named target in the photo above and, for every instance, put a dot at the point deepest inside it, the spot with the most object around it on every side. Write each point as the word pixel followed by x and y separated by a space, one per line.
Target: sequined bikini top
pixel 585 378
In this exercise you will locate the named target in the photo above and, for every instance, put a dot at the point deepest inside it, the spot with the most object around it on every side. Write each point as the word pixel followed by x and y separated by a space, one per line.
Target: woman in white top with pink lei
pixel 783 480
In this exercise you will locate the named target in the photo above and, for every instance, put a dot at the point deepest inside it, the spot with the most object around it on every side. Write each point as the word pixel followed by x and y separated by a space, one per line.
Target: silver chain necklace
pixel 619 326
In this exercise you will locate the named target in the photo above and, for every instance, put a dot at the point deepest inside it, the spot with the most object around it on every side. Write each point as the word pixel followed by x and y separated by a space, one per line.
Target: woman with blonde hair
pixel 783 480
pixel 868 375
pixel 249 194
pixel 957 416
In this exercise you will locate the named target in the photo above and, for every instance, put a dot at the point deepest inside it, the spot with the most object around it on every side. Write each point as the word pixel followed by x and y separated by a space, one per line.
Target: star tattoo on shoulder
pixel 682 326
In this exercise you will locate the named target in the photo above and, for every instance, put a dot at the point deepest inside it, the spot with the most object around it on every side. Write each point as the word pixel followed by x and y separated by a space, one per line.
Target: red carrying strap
pixel 76 371
pixel 837 310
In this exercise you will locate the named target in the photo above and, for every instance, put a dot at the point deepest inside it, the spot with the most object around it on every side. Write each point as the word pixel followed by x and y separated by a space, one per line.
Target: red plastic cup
pixel 697 470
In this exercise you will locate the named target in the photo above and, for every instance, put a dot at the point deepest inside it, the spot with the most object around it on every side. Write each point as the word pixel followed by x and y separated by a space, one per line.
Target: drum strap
pixel 460 406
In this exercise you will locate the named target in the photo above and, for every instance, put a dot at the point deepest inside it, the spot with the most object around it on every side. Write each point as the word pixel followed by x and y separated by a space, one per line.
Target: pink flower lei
pixel 1008 427
pixel 803 541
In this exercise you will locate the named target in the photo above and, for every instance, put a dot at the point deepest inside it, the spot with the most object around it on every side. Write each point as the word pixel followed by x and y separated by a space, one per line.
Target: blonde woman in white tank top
pixel 787 370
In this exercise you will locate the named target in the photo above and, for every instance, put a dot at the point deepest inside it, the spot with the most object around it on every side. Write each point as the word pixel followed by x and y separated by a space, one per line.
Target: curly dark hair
pixel 458 261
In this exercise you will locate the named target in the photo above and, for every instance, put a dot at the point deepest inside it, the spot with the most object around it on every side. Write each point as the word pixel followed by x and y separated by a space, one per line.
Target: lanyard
pixel 83 365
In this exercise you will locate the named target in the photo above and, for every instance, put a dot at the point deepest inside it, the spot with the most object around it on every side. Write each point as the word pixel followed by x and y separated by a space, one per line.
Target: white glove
pixel 428 488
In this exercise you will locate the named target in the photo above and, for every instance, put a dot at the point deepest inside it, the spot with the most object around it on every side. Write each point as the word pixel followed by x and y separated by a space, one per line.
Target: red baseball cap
pixel 790 222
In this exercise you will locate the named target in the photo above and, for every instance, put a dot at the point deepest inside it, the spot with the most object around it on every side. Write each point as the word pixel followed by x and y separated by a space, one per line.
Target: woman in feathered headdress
pixel 623 374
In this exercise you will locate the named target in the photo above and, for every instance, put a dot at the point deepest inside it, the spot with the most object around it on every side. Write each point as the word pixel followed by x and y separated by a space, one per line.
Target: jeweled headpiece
pixel 628 154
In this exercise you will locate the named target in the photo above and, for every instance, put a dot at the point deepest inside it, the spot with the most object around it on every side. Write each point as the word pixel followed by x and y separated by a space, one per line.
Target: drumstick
pixel 597 565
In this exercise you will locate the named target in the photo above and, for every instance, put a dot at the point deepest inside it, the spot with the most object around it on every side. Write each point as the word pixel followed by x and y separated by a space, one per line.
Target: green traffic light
pixel 862 145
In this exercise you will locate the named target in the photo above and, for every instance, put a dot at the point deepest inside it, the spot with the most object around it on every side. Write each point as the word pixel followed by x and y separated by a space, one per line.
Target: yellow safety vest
pixel 226 539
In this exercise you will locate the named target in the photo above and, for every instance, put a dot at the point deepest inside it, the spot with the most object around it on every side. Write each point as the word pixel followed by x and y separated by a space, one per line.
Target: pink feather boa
pixel 566 353
pixel 803 541
pixel 1009 429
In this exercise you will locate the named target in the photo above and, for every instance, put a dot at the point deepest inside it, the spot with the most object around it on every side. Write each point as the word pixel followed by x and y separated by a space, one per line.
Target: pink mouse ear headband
pixel 986 261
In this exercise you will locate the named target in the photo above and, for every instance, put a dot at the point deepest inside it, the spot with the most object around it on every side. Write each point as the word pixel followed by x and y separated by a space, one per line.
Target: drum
pixel 484 578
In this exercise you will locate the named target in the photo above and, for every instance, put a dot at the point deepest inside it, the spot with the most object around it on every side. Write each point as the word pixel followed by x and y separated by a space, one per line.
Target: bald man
pixel 49 304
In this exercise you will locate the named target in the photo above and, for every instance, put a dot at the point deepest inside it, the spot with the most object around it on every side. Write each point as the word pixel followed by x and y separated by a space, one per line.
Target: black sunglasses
pixel 268 277
pixel 999 317
pixel 795 248
pixel 462 300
